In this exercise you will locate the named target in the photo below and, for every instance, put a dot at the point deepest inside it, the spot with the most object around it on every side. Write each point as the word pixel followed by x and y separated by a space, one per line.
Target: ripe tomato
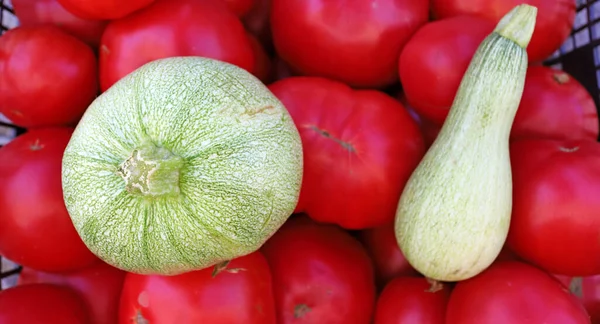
pixel 556 211
pixel 256 22
pixel 412 300
pixel 555 105
pixel 173 28
pixel 360 148
pixel 586 289
pixel 355 42
pixel 41 304
pixel 321 274
pixel 35 228
pixel 47 77
pixel 434 60
pixel 98 286
pixel 239 7
pixel 553 23
pixel 382 246
pixel 513 292
pixel 240 293
pixel 39 12
pixel 105 9
pixel 262 66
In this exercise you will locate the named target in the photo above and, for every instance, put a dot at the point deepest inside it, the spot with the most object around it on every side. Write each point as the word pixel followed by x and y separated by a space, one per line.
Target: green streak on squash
pixel 454 213
pixel 183 164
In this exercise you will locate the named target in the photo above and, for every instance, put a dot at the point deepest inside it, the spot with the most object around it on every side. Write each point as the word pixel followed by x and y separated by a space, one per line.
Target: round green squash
pixel 182 164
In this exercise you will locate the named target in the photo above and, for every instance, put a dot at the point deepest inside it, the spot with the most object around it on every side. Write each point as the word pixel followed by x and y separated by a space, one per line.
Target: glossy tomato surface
pixel 47 77
pixel 513 292
pixel 412 300
pixel 382 246
pixel 356 42
pixel 35 228
pixel 554 19
pixel 39 12
pixel 555 105
pixel 41 304
pixel 240 293
pixel 104 9
pixel 360 147
pixel 173 28
pixel 556 211
pixel 321 274
pixel 434 60
pixel 98 286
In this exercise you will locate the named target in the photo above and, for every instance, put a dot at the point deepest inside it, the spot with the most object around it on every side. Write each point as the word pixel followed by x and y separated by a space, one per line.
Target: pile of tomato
pixel 368 84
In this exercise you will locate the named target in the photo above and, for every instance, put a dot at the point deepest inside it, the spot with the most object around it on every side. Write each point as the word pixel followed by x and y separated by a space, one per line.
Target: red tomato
pixel 35 228
pixel 412 300
pixel 513 292
pixel 47 77
pixel 39 12
pixel 553 25
pixel 356 42
pixel 382 246
pixel 555 105
pixel 239 7
pixel 434 60
pixel 173 28
pixel 104 9
pixel 262 66
pixel 241 293
pixel 256 22
pixel 41 304
pixel 587 289
pixel 99 286
pixel 321 274
pixel 556 211
pixel 360 148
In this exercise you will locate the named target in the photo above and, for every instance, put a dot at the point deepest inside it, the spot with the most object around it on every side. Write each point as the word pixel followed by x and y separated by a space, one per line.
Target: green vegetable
pixel 184 163
pixel 453 216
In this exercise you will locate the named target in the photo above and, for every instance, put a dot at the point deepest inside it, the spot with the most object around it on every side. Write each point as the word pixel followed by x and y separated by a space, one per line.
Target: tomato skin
pixel 99 286
pixel 554 19
pixel 555 105
pixel 242 293
pixel 434 60
pixel 39 12
pixel 513 292
pixel 173 28
pixel 586 289
pixel 105 9
pixel 321 274
pixel 556 212
pixel 388 260
pixel 411 300
pixel 357 43
pixel 41 304
pixel 360 148
pixel 47 77
pixel 239 7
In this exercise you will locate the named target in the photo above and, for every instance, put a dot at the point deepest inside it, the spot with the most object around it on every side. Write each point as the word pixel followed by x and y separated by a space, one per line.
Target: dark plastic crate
pixel 579 56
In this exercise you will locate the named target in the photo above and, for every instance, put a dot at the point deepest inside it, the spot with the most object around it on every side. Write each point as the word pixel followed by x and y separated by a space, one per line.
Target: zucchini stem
pixel 518 24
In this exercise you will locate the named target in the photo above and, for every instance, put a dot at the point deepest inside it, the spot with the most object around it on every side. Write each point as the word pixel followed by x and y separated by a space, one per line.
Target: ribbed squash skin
pixel 224 175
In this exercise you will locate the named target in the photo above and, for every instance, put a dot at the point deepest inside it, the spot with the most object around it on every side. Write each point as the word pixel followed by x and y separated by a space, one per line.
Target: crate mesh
pixel 579 56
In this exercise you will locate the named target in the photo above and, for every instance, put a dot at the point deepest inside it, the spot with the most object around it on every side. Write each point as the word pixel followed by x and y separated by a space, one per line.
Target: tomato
pixel 555 105
pixel 513 292
pixel 239 7
pixel 360 147
pixel 588 292
pixel 321 274
pixel 355 42
pixel 99 286
pixel 39 12
pixel 105 9
pixel 382 246
pixel 556 211
pixel 239 293
pixel 553 25
pixel 173 28
pixel 256 22
pixel 412 300
pixel 41 304
pixel 35 228
pixel 47 77
pixel 263 65
pixel 434 60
